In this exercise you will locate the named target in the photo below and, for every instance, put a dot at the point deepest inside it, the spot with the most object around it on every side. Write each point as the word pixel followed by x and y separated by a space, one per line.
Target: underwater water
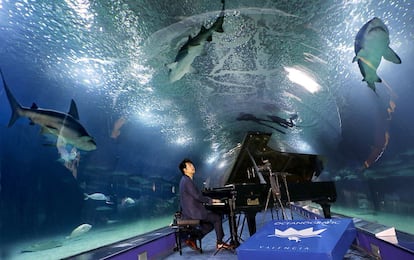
pixel 109 160
pixel 58 246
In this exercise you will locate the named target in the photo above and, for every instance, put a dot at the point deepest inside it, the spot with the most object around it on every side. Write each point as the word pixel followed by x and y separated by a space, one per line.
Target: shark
pixel 62 125
pixel 193 48
pixel 371 44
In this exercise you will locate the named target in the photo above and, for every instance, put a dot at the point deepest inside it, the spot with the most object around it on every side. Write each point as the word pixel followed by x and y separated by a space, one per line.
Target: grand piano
pixel 262 178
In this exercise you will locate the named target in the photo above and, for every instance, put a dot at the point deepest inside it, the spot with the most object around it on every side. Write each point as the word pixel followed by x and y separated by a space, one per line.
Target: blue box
pixel 300 239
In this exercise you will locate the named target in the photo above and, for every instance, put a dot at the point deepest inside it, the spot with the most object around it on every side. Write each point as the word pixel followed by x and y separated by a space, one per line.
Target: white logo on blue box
pixel 321 239
pixel 296 235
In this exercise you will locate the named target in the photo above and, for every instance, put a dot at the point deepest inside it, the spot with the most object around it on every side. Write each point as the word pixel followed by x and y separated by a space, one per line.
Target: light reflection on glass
pixel 222 164
pixel 182 140
pixel 303 79
pixel 141 73
pixel 89 74
pixel 81 7
pixel 211 158
pixel 303 146
pixel 146 117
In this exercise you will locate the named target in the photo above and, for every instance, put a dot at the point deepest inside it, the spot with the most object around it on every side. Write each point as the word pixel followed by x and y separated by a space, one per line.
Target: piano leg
pixel 326 207
pixel 251 222
pixel 232 222
pixel 233 231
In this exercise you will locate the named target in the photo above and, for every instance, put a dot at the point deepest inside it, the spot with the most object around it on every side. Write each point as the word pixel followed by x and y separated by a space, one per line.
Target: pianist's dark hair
pixel 182 164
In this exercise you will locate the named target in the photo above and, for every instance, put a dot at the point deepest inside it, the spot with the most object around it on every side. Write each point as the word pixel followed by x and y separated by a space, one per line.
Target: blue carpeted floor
pixel 209 242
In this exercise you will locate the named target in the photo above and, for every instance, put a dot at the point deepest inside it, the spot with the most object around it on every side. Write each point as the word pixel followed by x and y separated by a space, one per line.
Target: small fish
pixel 127 202
pixel 80 230
pixel 112 221
pixel 116 130
pixel 371 44
pixel 96 196
pixel 193 48
pixel 59 124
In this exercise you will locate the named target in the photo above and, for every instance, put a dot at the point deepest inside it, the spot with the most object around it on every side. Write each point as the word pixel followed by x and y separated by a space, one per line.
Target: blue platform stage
pixel 300 239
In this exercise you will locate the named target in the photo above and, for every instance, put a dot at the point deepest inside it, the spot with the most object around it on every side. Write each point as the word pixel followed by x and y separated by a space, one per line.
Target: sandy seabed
pixel 402 223
pixel 94 238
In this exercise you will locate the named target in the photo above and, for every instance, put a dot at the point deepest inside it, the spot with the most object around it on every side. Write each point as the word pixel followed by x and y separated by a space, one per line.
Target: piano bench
pixel 185 229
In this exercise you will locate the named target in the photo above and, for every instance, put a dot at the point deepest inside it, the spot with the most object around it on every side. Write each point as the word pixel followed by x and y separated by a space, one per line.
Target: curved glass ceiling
pixel 281 67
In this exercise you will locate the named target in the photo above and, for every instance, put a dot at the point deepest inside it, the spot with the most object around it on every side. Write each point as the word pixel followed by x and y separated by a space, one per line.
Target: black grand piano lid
pixel 255 146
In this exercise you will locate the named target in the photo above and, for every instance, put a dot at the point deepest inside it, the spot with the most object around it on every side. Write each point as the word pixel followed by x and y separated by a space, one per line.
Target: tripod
pixel 275 191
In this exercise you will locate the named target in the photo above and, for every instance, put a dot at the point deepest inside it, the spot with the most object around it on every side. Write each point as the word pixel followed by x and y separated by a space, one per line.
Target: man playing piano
pixel 192 206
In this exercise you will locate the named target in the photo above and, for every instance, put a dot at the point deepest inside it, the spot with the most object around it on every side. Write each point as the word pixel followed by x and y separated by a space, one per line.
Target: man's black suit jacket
pixel 192 200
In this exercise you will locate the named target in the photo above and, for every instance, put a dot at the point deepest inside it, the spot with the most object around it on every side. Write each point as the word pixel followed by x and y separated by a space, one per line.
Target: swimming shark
pixel 59 124
pixel 192 48
pixel 371 44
